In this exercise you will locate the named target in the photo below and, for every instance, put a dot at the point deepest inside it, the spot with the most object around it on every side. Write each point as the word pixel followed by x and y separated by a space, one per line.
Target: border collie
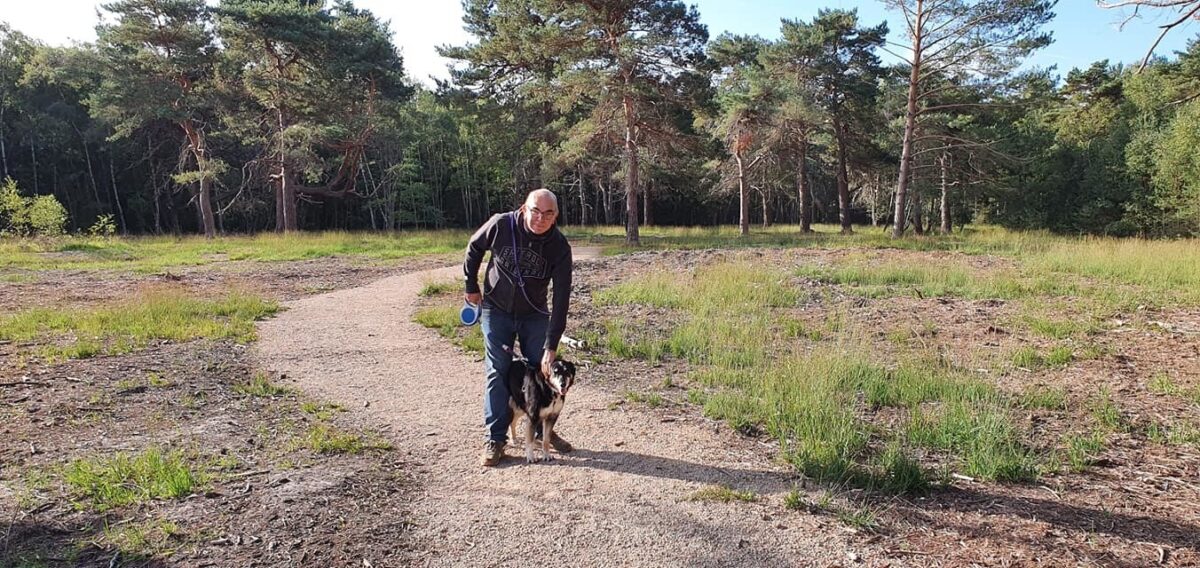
pixel 538 399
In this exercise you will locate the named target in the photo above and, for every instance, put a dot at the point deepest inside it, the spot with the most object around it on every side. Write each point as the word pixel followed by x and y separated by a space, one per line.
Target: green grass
pixel 119 328
pixel 818 402
pixel 653 400
pixel 1170 269
pixel 105 483
pixel 326 439
pixel 722 494
pixel 1083 449
pixel 1058 328
pixel 861 518
pixel 1030 358
pixel 796 501
pixel 261 386
pixel 872 278
pixel 445 319
pixel 1161 383
pixel 1183 433
pixel 321 411
pixel 1106 413
pixel 431 289
pixel 981 434
pixel 144 540
pixel 156 254
pixel 1043 397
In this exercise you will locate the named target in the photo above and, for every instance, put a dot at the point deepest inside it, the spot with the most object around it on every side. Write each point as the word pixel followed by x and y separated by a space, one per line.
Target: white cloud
pixel 418 27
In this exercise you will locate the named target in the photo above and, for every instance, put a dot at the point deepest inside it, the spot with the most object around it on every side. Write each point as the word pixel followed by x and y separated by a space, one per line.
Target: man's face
pixel 540 214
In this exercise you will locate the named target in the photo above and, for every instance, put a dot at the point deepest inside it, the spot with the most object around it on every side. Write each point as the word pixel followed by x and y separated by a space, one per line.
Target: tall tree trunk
pixel 199 147
pixel 605 200
pixel 3 150
pixel 766 212
pixel 918 214
pixel 285 196
pixel 647 211
pixel 804 189
pixel 945 205
pixel 286 206
pixel 583 218
pixel 112 178
pixel 33 153
pixel 743 197
pixel 631 171
pixel 843 179
pixel 910 124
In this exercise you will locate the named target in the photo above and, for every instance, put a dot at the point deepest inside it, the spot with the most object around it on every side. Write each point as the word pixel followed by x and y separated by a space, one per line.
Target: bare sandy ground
pixel 620 499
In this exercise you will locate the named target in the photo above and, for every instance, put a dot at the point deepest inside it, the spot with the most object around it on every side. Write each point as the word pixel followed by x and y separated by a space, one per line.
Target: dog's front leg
pixel 547 435
pixel 529 441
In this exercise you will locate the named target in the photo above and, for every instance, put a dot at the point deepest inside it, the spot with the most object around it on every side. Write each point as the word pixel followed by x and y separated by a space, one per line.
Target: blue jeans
pixel 500 329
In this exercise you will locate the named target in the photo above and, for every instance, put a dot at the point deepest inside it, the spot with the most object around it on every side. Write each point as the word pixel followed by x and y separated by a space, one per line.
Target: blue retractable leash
pixel 469 315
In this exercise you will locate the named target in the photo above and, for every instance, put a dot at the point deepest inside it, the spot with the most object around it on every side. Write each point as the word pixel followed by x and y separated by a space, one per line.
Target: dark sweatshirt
pixel 544 259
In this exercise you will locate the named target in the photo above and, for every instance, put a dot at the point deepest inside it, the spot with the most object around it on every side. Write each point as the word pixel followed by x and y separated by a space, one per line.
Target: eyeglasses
pixel 536 213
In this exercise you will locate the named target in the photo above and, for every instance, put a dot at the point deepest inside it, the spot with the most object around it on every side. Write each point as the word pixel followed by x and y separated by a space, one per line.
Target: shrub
pixel 23 216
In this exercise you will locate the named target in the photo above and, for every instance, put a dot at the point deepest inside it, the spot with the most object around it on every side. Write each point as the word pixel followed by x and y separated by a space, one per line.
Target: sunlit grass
pixel 818 403
pixel 126 325
pixel 124 479
pixel 722 494
pixel 155 254
pixel 445 320
pixel 323 438
pixel 261 386
pixel 1160 266
pixel 974 240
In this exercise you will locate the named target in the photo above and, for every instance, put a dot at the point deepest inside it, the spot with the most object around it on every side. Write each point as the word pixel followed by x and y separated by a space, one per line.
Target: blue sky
pixel 1083 33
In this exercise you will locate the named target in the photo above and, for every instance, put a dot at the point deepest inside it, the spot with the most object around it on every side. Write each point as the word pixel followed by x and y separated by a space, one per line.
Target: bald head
pixel 540 195
pixel 541 210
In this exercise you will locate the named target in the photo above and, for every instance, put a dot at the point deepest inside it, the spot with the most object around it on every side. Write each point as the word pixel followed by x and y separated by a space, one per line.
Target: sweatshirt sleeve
pixel 479 244
pixel 561 277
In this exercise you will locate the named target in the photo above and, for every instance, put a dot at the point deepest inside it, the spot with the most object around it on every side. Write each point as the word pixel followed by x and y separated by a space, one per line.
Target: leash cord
pixel 512 223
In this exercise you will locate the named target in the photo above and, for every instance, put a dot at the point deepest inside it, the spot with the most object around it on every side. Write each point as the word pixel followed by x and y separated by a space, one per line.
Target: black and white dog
pixel 538 399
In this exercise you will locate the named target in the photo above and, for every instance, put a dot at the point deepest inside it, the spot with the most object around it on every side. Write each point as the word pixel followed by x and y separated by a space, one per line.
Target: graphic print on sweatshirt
pixel 533 264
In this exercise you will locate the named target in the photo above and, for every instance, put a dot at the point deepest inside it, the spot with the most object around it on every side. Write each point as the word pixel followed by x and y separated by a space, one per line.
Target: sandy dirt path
pixel 620 499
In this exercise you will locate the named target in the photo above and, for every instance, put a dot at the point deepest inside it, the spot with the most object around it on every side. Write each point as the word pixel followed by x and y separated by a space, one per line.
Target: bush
pixel 47 216
pixel 24 216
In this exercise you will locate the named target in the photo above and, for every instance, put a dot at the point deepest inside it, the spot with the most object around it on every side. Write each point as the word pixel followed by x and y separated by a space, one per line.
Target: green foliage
pixel 158 254
pixel 172 315
pixel 722 494
pixel 29 216
pixel 1083 449
pixel 124 479
pixel 144 540
pixel 653 400
pixel 439 288
pixel 325 439
pixel 261 386
pixel 1043 397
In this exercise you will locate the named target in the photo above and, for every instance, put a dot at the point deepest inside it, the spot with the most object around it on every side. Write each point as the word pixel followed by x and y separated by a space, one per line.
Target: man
pixel 528 254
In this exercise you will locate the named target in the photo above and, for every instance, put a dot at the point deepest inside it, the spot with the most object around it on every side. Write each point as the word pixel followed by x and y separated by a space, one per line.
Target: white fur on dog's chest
pixel 554 409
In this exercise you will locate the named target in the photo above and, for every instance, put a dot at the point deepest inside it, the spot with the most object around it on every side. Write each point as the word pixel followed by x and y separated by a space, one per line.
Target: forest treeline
pixel 251 115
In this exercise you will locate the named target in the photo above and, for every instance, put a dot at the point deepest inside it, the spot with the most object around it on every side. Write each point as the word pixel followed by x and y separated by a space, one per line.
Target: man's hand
pixel 476 298
pixel 548 360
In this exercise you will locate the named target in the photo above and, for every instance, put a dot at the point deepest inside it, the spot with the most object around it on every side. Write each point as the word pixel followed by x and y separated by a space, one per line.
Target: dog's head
pixel 562 376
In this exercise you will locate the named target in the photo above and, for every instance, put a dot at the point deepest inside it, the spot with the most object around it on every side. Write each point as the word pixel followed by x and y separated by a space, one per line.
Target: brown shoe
pixel 493 452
